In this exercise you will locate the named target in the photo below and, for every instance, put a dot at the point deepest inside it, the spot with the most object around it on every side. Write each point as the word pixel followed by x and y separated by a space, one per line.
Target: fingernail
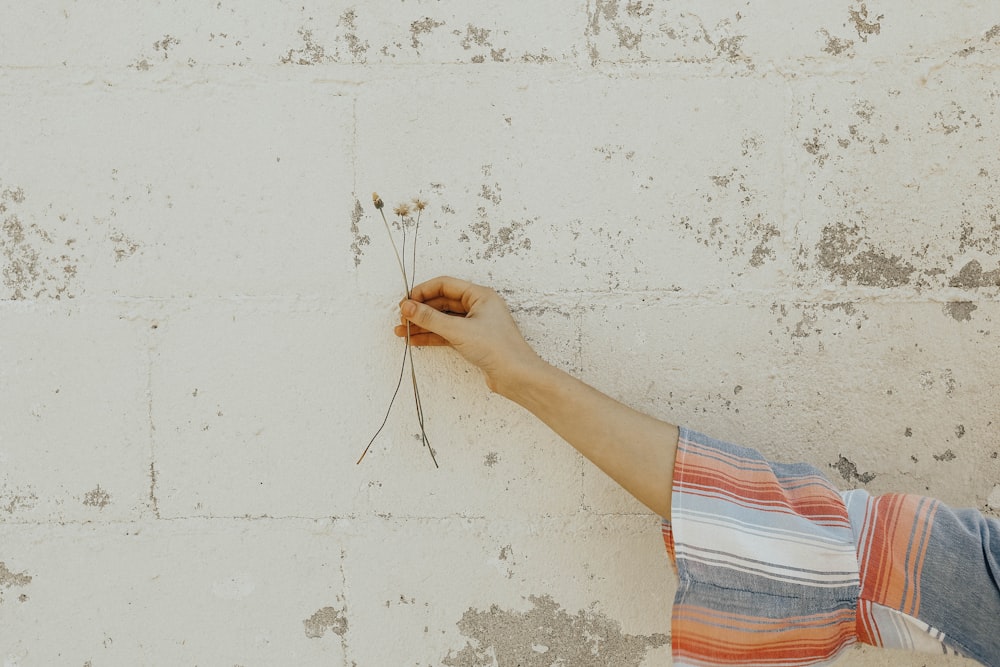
pixel 408 308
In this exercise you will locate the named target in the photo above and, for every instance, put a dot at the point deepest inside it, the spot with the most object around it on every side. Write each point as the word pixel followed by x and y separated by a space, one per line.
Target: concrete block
pixel 613 200
pixel 453 591
pixel 230 404
pixel 861 390
pixel 192 35
pixel 187 191
pixel 75 437
pixel 186 592
pixel 739 38
pixel 896 176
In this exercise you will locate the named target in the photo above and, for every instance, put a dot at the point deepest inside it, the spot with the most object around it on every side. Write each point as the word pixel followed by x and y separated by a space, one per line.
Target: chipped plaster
pixel 773 223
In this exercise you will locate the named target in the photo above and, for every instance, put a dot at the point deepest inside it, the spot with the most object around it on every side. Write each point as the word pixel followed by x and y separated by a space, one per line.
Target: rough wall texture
pixel 774 222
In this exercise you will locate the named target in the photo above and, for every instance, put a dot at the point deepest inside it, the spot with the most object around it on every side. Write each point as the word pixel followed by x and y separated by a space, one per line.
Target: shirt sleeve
pixel 777 567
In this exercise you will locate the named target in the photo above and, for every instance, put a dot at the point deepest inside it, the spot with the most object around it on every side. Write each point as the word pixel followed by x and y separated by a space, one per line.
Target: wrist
pixel 529 382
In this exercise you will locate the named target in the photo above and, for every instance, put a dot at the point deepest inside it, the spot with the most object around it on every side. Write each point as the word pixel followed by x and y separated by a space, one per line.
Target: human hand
pixel 474 320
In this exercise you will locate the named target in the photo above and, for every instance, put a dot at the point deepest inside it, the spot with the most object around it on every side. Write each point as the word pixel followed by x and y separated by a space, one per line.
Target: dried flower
pixel 403 210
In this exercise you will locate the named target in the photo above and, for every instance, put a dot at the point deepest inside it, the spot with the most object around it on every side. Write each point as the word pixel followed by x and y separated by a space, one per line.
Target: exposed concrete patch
pixel 844 253
pixel 864 23
pixel 849 471
pixel 662 26
pixel 9 579
pixel 160 46
pixel 509 239
pixel 355 47
pixel 17 499
pixel 360 240
pixel 124 247
pixel 165 44
pixel 98 498
pixel 310 53
pixel 972 276
pixel 836 46
pixel 737 226
pixel 327 618
pixel 928 381
pixel 35 265
pixel 547 635
pixel 474 35
pixel 960 310
pixel 422 27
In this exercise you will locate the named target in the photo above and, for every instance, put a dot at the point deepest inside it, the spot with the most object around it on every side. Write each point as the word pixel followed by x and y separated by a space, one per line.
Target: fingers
pixel 428 319
pixel 454 289
pixel 422 338
pixel 444 304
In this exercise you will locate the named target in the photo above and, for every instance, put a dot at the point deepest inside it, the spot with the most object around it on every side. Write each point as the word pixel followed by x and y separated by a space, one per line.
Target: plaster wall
pixel 773 222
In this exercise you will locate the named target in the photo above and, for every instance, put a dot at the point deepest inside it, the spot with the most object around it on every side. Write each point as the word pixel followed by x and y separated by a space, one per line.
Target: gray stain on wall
pixel 548 635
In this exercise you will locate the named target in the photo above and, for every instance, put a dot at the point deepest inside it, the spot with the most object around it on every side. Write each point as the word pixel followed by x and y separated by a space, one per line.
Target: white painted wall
pixel 773 222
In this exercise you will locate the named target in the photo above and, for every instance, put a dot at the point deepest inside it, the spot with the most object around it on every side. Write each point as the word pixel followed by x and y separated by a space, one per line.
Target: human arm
pixel 634 449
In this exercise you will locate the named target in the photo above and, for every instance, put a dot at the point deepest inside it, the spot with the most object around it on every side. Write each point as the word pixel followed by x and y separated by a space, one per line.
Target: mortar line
pixel 154 504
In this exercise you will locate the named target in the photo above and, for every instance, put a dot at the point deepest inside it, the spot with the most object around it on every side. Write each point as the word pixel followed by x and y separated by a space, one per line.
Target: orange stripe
pixel 897 532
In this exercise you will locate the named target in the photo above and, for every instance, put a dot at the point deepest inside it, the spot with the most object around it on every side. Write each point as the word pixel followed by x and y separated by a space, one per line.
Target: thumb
pixel 432 320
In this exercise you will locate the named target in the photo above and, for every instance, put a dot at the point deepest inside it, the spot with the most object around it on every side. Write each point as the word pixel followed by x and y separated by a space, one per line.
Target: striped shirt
pixel 777 567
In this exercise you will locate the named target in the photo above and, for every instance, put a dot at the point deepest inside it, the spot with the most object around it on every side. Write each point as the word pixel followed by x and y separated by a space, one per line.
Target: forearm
pixel 634 449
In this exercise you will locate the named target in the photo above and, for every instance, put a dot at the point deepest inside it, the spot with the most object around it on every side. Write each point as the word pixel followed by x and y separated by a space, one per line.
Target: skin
pixel 634 449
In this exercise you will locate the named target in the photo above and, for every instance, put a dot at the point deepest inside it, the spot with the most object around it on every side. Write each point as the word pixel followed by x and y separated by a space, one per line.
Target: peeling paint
pixel 98 498
pixel 972 276
pixel 310 53
pixel 960 310
pixel 35 265
pixel 836 46
pixel 17 499
pixel 124 247
pixel 360 240
pixel 422 27
pixel 662 27
pixel 844 253
pixel 509 239
pixel 865 24
pixel 9 579
pixel 849 471
pixel 355 46
pixel 326 619
pixel 548 635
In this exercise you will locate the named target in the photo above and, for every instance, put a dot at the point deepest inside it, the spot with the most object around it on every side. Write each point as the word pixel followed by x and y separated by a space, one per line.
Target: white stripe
pixel 781 552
